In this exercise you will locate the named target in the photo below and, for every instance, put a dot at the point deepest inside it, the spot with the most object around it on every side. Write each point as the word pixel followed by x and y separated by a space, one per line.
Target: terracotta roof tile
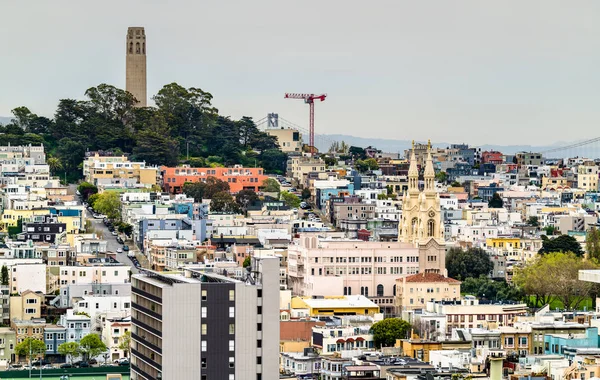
pixel 431 277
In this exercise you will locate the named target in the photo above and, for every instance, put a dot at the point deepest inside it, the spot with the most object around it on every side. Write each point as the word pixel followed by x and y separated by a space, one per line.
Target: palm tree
pixel 54 164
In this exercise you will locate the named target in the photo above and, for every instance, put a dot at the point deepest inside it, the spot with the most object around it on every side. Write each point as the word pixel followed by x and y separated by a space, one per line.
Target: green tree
pixel 562 243
pixel 473 262
pixel 92 200
pixel 455 184
pixel 274 161
pixel 155 145
pixel 125 343
pixel 109 204
pixel 386 332
pixel 70 350
pixel 4 275
pixel 556 274
pixel 54 164
pixel 71 153
pixel 305 193
pixel 245 198
pixel 223 202
pixel 290 199
pixel 592 243
pixel 533 221
pixel 247 262
pixel 91 346
pixel 485 287
pixel 271 185
pixel 86 189
pixel 441 177
pixel 125 228
pixel 357 152
pixel 366 165
pixel 550 230
pixel 496 201
pixel 30 345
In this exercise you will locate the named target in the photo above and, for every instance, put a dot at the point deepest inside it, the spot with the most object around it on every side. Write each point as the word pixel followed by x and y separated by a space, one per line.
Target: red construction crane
pixel 310 100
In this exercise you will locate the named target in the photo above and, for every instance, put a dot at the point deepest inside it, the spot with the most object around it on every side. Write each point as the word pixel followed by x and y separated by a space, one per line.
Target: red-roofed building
pixel 492 157
pixel 414 291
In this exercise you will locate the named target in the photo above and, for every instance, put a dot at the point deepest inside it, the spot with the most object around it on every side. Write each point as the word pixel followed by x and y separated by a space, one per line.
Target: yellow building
pixel 289 140
pixel 118 170
pixel 516 341
pixel 10 218
pixel 413 292
pixel 514 248
pixel 333 305
pixel 26 306
pixel 555 183
pixel 419 348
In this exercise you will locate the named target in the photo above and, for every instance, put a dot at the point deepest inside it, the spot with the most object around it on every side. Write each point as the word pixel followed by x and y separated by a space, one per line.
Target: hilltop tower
pixel 135 76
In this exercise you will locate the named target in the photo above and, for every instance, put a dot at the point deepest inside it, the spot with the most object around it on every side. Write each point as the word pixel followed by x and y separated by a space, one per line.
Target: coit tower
pixel 135 76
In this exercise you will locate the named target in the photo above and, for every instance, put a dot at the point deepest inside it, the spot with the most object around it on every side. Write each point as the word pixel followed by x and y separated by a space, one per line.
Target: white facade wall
pixel 28 277
pixel 109 274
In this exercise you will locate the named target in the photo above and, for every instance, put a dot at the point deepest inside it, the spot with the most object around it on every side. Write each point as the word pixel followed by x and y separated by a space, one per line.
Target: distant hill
pixel 398 146
pixel 5 120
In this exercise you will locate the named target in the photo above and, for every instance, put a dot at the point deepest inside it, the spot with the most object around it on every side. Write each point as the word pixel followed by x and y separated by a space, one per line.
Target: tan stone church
pixel 421 223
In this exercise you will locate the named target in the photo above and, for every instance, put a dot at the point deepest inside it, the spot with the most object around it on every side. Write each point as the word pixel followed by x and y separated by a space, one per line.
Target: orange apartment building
pixel 238 177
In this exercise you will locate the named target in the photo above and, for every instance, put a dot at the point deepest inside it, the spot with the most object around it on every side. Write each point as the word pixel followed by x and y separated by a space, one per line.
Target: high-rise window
pixel 204 329
pixel 231 312
pixel 204 312
pixel 203 346
pixel 232 295
pixel 232 345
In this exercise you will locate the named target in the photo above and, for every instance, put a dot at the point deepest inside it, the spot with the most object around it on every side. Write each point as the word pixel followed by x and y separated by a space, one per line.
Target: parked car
pixel 66 365
pixel 119 250
pixel 93 361
pixel 125 248
pixel 48 366
pixel 38 363
pixel 81 364
pixel 114 233
pixel 124 362
pixel 119 240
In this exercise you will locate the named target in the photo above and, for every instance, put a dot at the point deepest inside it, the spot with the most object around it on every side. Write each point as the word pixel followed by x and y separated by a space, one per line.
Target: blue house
pixel 487 192
pixel 54 336
pixel 323 195
pixel 567 344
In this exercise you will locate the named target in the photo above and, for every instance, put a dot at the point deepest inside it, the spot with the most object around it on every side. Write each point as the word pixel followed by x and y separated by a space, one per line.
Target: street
pixel 113 245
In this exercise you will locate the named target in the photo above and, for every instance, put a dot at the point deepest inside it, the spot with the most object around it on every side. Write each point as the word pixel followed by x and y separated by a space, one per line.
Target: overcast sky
pixel 477 71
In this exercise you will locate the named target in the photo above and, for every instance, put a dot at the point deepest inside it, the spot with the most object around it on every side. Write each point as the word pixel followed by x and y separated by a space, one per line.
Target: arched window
pixel 430 227
pixel 345 291
pixel 143 48
pixel 366 291
pixel 379 290
pixel 137 48
pixel 349 290
pixel 131 48
pixel 394 290
pixel 414 226
pixel 362 290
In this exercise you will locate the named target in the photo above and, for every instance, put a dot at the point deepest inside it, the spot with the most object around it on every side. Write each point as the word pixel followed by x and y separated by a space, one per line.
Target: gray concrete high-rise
pixel 200 325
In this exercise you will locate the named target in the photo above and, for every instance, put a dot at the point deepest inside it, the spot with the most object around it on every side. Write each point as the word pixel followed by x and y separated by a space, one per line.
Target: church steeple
pixel 413 173
pixel 429 175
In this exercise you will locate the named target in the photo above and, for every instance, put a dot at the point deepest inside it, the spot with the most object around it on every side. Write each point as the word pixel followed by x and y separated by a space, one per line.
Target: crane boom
pixel 310 100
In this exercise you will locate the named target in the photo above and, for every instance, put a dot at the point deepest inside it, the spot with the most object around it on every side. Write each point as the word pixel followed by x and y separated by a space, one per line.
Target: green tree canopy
pixel 125 343
pixel 533 221
pixel 271 185
pixel 35 346
pixel 245 198
pixel 386 332
pixel 86 189
pixel 473 262
pixel 562 243
pixel 305 193
pixel 247 262
pixel 91 346
pixel 556 275
pixel 205 190
pixel 223 202
pixel 592 243
pixel 109 204
pixel 496 201
pixel 4 279
pixel 70 350
pixel 366 165
pixel 290 199
pixel 485 287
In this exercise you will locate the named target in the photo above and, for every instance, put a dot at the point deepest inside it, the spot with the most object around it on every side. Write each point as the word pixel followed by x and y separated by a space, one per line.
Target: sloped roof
pixel 431 277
